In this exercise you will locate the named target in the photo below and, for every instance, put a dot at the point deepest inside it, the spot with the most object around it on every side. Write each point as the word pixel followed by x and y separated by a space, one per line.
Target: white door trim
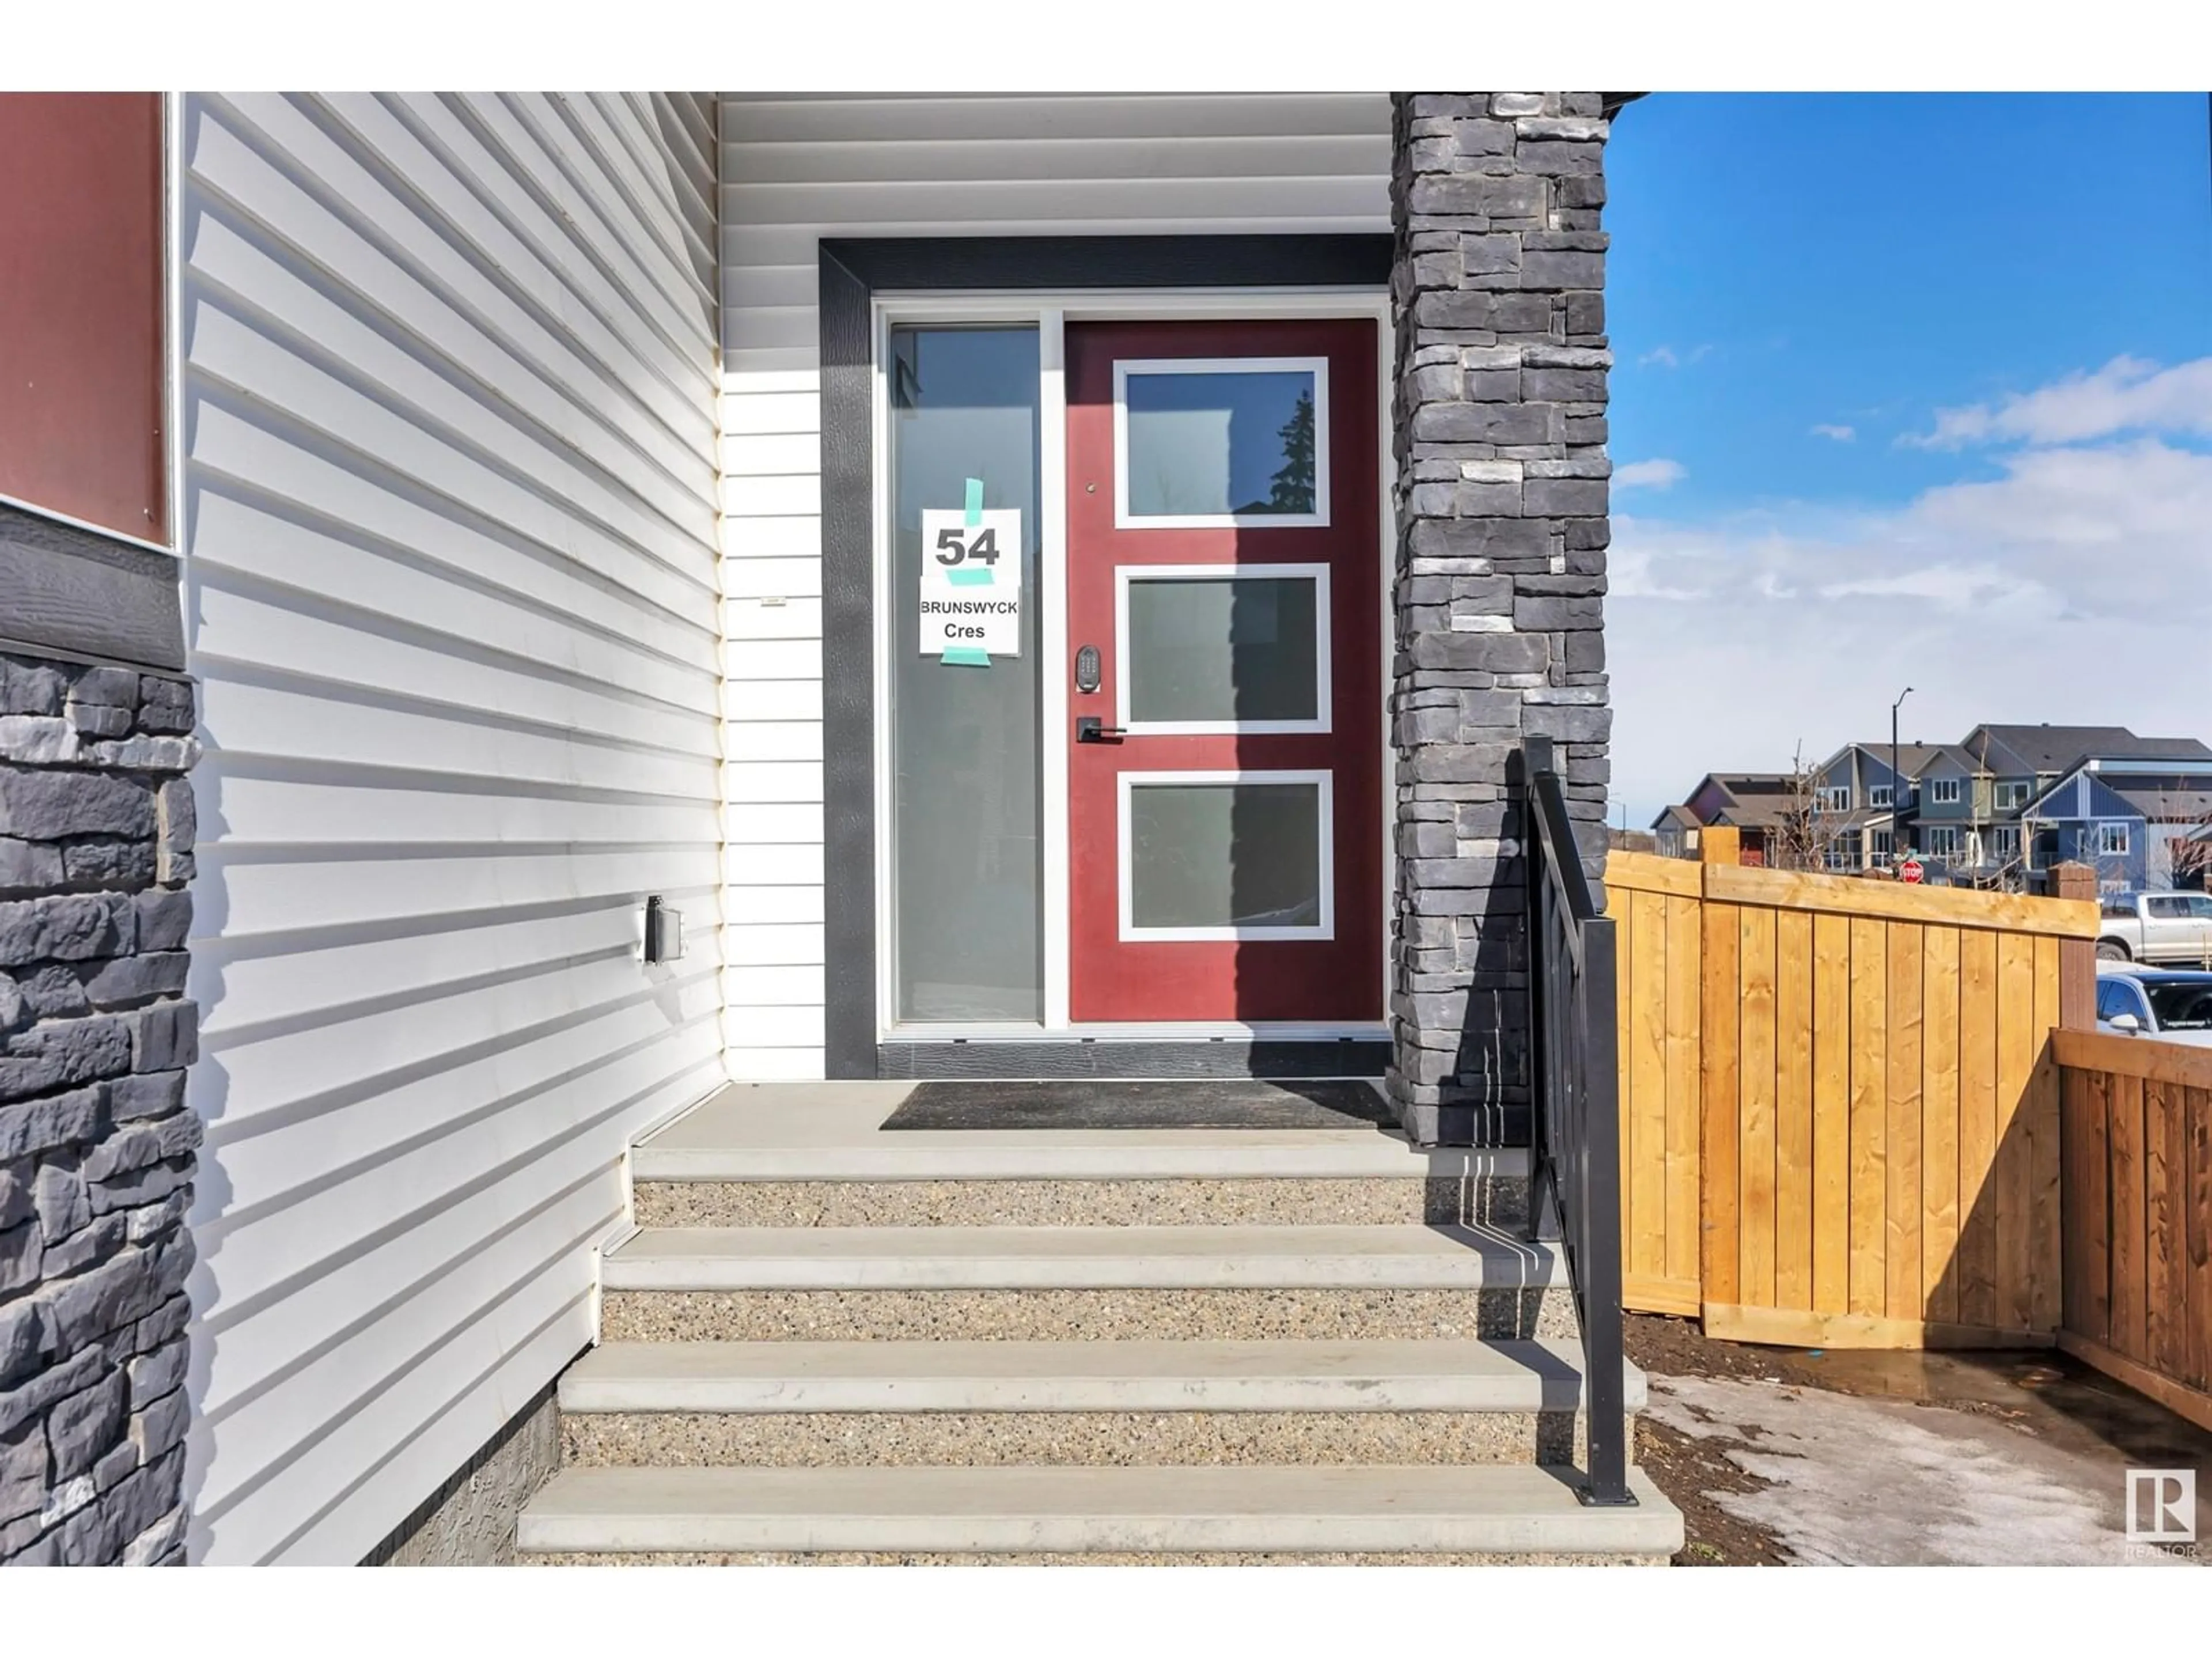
pixel 1126 366
pixel 1324 641
pixel 1128 782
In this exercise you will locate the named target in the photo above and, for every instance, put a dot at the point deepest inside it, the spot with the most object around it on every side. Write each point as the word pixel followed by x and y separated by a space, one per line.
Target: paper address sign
pixel 971 584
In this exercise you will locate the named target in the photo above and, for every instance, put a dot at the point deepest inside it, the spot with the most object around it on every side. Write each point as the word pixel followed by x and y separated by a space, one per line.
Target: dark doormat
pixel 1194 1103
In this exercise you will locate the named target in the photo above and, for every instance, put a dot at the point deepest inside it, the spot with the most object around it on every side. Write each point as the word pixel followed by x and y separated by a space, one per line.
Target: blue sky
pixel 1909 390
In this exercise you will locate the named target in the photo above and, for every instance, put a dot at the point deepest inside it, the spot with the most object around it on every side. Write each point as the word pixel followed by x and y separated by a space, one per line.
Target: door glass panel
pixel 1223 650
pixel 966 814
pixel 1218 855
pixel 1224 442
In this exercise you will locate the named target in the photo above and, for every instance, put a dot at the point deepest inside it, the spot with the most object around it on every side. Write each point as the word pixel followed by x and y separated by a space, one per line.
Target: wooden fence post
pixel 2078 957
pixel 1720 843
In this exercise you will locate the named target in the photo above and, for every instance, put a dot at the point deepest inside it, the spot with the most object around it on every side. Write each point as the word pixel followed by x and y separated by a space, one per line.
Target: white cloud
pixel 1667 358
pixel 2128 394
pixel 1648 475
pixel 1842 435
pixel 2075 586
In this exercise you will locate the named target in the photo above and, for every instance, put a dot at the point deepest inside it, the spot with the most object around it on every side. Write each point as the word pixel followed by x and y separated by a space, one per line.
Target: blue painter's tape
pixel 974 513
pixel 967 656
pixel 969 575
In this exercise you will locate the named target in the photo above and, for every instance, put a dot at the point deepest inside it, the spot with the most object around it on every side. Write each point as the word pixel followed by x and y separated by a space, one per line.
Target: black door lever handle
pixel 1089 728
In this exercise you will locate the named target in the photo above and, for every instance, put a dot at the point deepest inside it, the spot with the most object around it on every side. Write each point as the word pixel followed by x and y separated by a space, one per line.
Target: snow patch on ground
pixel 1874 1482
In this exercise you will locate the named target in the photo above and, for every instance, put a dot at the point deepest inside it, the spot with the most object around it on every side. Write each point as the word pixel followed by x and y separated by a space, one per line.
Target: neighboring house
pixel 1756 804
pixel 2012 766
pixel 1940 825
pixel 2140 822
pixel 1675 833
pixel 1965 805
pixel 2081 820
pixel 1855 792
pixel 1766 808
pixel 524 608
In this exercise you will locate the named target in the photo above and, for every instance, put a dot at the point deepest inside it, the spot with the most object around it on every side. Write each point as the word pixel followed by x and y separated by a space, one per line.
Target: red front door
pixel 1224 592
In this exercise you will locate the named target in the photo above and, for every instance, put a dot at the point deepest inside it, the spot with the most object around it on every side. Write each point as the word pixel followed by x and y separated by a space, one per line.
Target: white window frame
pixel 1835 798
pixel 2004 841
pixel 1881 794
pixel 1126 366
pixel 1318 574
pixel 1942 842
pixel 1880 847
pixel 2109 830
pixel 2010 797
pixel 1943 791
pixel 1127 783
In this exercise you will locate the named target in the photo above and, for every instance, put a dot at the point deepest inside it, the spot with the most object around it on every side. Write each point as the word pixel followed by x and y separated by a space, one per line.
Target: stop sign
pixel 1911 870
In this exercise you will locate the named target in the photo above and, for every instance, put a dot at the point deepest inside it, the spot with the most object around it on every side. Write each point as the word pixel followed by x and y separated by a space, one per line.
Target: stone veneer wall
pixel 96 1145
pixel 1498 291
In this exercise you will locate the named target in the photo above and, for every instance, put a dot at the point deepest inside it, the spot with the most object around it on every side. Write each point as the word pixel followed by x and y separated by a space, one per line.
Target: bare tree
pixel 1809 830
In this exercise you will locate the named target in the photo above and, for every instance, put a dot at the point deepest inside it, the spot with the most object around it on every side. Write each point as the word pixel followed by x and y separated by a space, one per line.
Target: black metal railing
pixel 1575 1101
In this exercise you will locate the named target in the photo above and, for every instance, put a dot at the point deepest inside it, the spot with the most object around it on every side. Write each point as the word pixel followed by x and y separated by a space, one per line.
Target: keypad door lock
pixel 1086 670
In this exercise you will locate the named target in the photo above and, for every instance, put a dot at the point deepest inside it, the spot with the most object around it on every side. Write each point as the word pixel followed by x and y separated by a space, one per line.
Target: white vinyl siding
pixel 451 524
pixel 797 169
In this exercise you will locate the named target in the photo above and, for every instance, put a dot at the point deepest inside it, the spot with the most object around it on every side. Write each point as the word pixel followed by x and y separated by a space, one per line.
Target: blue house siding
pixel 2068 824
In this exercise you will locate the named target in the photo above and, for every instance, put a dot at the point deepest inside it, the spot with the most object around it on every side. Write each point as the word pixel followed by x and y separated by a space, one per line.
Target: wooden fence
pixel 2137 1197
pixel 1840 1112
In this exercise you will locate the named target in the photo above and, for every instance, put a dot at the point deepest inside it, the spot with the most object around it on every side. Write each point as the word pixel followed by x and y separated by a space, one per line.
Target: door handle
pixel 1089 728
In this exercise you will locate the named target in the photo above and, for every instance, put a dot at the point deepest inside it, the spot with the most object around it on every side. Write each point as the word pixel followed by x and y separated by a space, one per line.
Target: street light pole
pixel 1897 849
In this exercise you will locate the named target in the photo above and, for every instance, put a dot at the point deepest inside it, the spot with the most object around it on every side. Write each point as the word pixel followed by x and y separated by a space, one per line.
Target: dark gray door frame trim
pixel 852 272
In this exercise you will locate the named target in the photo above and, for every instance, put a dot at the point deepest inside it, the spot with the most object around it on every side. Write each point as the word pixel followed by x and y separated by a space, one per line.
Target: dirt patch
pixel 1694 1472
pixel 1691 1472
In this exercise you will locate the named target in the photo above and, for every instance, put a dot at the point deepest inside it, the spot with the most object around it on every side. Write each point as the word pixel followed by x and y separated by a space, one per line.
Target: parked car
pixel 2162 927
pixel 2167 1003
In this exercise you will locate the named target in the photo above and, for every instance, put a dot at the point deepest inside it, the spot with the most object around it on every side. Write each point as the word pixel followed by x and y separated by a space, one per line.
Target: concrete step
pixel 1498 1511
pixel 1075 1258
pixel 971 1403
pixel 1061 1284
pixel 1082 1376
pixel 1499 1199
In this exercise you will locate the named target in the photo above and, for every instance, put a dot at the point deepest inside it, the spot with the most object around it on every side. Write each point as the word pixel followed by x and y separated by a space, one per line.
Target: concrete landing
pixel 832 1131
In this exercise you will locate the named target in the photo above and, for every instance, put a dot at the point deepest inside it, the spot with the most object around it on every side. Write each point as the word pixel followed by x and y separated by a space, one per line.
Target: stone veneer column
pixel 1498 291
pixel 96 1143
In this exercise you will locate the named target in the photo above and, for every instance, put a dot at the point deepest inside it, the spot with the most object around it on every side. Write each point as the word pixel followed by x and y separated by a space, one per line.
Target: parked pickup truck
pixel 2156 928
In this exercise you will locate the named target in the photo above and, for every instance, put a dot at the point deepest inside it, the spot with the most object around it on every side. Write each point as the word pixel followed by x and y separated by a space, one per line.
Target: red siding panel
pixel 80 311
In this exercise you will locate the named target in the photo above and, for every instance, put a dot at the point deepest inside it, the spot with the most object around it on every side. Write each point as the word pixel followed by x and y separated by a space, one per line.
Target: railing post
pixel 1535 758
pixel 1599 1272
